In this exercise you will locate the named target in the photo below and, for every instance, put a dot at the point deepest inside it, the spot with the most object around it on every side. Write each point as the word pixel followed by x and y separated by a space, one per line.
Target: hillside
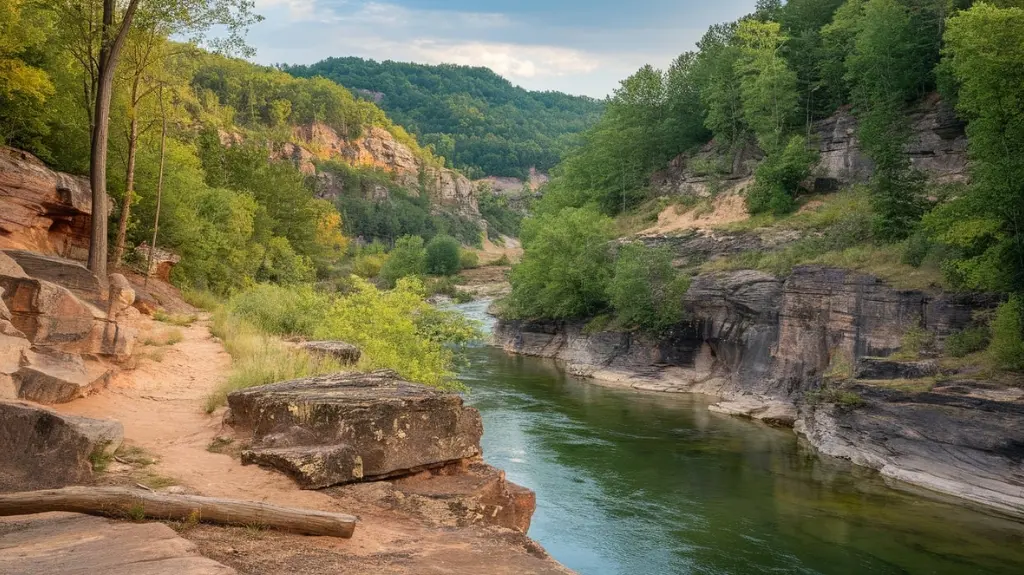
pixel 477 120
pixel 816 217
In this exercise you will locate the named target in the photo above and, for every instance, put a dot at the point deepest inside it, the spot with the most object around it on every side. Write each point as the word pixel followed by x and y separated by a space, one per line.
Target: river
pixel 655 484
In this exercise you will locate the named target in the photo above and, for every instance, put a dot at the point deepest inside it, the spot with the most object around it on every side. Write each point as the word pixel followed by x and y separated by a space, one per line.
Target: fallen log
pixel 122 503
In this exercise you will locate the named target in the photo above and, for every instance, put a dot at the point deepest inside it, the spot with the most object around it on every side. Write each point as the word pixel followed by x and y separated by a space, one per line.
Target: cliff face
pixel 766 345
pixel 378 148
pixel 937 146
pixel 43 210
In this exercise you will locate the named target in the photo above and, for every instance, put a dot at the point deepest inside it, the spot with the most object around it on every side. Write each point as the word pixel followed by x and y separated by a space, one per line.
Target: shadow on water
pixel 642 483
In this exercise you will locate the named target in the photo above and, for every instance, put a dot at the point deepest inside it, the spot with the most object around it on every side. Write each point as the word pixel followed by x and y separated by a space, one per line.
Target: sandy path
pixel 161 404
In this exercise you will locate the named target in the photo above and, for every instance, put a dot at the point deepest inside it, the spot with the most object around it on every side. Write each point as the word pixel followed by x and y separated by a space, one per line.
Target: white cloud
pixel 297 10
pixel 510 60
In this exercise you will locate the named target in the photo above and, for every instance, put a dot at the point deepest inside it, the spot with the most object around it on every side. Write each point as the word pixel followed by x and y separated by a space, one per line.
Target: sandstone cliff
pixel 378 148
pixel 43 210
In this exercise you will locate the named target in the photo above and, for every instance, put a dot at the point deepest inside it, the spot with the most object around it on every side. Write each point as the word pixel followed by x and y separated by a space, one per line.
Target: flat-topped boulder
pixel 56 377
pixel 350 427
pixel 44 449
pixel 346 353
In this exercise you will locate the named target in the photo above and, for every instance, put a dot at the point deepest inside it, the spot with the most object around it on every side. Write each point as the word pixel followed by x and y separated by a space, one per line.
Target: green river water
pixel 648 483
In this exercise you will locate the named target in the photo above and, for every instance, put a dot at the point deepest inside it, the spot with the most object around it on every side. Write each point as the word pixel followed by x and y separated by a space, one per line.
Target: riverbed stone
pixel 323 429
pixel 346 353
pixel 44 449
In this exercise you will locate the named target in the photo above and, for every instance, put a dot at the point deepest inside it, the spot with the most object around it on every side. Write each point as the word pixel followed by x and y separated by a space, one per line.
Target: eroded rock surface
pixel 350 427
pixel 969 447
pixel 44 449
pixel 44 210
pixel 70 544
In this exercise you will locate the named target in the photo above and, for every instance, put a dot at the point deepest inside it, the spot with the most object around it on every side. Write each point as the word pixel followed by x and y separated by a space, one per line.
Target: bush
pixel 468 259
pixel 968 341
pixel 396 329
pixel 407 259
pixel 566 265
pixel 645 290
pixel 1007 346
pixel 293 310
pixel 443 257
pixel 778 178
pixel 368 266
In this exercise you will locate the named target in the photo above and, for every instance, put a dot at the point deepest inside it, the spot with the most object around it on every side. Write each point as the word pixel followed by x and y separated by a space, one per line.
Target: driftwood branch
pixel 123 503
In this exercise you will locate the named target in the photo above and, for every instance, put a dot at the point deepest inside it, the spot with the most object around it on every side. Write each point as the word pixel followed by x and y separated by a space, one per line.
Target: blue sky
pixel 573 46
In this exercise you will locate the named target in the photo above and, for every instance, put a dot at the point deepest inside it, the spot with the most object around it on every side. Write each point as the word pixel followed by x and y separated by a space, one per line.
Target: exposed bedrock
pixel 351 427
pixel 764 345
pixel 44 449
pixel 968 447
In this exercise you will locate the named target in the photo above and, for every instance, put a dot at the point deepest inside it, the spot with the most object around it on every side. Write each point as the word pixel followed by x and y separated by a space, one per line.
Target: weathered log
pixel 121 503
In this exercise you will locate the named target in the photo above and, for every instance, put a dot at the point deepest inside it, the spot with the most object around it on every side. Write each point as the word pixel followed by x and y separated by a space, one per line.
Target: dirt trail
pixel 160 405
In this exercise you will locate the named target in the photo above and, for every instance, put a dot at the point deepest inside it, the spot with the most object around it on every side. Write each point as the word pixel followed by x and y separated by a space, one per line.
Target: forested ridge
pixel 752 91
pixel 475 119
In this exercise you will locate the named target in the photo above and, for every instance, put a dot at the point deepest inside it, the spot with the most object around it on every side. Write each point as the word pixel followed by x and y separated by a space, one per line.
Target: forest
pixel 760 83
pixel 473 118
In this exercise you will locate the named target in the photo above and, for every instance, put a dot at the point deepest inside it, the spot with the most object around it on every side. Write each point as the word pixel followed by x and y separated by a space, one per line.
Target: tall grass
pixel 259 358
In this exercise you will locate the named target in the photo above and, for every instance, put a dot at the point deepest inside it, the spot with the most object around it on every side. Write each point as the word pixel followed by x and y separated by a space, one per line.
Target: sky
pixel 573 46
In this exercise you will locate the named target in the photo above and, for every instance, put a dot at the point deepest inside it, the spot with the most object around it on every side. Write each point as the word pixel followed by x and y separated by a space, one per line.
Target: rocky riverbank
pixel 771 349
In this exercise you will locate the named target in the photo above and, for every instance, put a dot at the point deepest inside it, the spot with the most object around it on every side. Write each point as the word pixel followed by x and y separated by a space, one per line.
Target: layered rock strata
pixel 766 346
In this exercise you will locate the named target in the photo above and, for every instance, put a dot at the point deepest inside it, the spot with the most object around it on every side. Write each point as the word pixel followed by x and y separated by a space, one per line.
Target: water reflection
pixel 656 484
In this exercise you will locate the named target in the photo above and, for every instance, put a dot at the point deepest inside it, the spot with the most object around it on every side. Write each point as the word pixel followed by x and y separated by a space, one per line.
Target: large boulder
pixel 350 427
pixel 68 544
pixel 64 272
pixel 44 449
pixel 55 377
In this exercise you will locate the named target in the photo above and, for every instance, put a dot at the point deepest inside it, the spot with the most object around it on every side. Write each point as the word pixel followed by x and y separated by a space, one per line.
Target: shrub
pixel 566 265
pixel 293 310
pixel 645 290
pixel 443 257
pixel 968 341
pixel 396 329
pixel 468 259
pixel 501 262
pixel 201 299
pixel 1007 346
pixel 368 265
pixel 407 259
pixel 778 177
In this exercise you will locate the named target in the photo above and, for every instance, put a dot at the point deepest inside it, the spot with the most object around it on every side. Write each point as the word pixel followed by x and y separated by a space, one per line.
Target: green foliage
pixel 443 257
pixel 566 266
pixel 396 329
pixel 478 121
pixel 407 259
pixel 501 219
pixel 1007 345
pixel 984 227
pixel 468 259
pixel 768 87
pixel 24 87
pixel 893 52
pixel 967 341
pixel 292 310
pixel 645 290
pixel 778 178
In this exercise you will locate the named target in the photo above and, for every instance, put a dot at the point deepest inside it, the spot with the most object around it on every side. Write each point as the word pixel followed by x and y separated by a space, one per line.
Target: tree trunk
pixel 159 186
pixel 126 209
pixel 112 41
pixel 122 503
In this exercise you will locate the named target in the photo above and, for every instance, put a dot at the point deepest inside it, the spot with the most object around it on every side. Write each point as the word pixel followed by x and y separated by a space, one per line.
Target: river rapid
pixel 650 483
